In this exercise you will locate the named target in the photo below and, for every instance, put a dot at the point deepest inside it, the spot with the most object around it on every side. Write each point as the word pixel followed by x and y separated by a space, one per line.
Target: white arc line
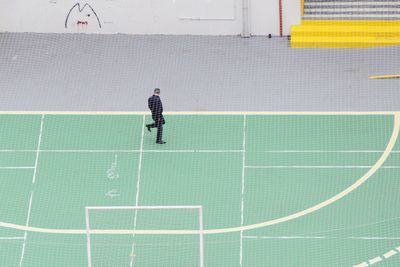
pixel 358 183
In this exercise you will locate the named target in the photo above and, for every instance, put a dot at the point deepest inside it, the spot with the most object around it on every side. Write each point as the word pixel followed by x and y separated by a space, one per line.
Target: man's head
pixel 157 91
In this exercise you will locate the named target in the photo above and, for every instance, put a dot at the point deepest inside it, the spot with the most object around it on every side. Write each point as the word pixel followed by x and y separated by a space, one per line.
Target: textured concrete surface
pixel 78 72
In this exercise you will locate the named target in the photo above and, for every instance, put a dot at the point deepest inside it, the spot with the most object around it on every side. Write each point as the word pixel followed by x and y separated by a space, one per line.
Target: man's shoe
pixel 148 127
pixel 161 142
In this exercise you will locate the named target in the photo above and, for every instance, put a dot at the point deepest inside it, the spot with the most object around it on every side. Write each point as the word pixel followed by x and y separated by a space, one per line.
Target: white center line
pixel 16 168
pixel 137 190
pixel 33 182
pixel 243 174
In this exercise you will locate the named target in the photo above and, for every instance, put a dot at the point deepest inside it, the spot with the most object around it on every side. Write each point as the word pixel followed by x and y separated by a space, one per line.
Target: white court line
pixel 16 168
pixel 201 228
pixel 141 207
pixel 33 182
pixel 111 113
pixel 26 233
pixel 242 201
pixel 137 189
pixel 323 237
pixel 37 150
pixel 126 151
pixel 187 151
pixel 318 167
pixel 375 260
pixel 328 151
pixel 327 202
pixel 363 264
pixel 389 254
pixel 88 247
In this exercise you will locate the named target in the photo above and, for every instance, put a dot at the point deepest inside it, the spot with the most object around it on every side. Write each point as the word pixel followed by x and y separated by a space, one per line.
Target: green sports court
pixel 228 189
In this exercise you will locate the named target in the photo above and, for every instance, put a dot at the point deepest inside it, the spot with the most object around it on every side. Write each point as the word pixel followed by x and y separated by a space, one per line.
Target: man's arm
pixel 158 109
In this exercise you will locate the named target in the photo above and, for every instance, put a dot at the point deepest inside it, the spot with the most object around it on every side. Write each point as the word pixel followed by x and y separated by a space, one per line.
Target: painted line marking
pixel 340 195
pixel 200 113
pixel 319 167
pixel 363 264
pixel 242 199
pixel 328 151
pixel 88 243
pixel 26 233
pixel 201 228
pixel 126 151
pixel 37 150
pixel 186 151
pixel 389 254
pixel 16 168
pixel 375 260
pixel 141 207
pixel 322 237
pixel 398 249
pixel 33 182
pixel 137 188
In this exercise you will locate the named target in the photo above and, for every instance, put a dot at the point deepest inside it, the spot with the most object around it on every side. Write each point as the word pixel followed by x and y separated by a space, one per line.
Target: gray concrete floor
pixel 78 72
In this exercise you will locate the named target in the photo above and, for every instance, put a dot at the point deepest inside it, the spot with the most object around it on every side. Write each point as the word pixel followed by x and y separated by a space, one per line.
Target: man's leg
pixel 152 125
pixel 159 135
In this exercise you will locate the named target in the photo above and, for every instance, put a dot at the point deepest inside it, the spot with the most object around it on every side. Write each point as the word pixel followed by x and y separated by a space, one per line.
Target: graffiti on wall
pixel 82 16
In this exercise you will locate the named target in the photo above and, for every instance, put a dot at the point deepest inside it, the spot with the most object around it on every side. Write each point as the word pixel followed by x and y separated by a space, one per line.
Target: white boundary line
pixel 324 237
pixel 201 227
pixel 16 168
pixel 318 167
pixel 141 207
pixel 189 151
pixel 242 201
pixel 326 151
pixel 89 247
pixel 377 259
pixel 358 183
pixel 125 151
pixel 138 188
pixel 200 112
pixel 33 182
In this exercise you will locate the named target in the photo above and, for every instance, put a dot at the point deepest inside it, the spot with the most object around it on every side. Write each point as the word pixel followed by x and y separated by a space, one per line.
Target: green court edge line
pixel 200 112
pixel 358 183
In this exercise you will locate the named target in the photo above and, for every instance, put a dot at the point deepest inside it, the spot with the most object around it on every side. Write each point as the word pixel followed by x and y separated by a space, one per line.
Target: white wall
pixel 209 17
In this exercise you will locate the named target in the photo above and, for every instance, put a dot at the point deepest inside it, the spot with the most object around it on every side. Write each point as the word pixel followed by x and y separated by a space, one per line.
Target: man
pixel 156 108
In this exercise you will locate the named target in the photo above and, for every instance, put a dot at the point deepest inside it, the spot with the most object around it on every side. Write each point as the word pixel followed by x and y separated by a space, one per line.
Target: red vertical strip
pixel 280 19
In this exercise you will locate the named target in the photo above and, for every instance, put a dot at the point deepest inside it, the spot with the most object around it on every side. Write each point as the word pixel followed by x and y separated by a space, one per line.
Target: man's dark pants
pixel 158 123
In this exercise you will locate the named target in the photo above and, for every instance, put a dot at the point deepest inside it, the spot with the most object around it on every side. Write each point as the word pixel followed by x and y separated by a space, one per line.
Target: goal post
pixel 169 250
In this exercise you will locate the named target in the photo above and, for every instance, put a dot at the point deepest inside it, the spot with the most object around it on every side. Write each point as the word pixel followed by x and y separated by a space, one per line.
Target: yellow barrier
pixel 393 76
pixel 345 34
